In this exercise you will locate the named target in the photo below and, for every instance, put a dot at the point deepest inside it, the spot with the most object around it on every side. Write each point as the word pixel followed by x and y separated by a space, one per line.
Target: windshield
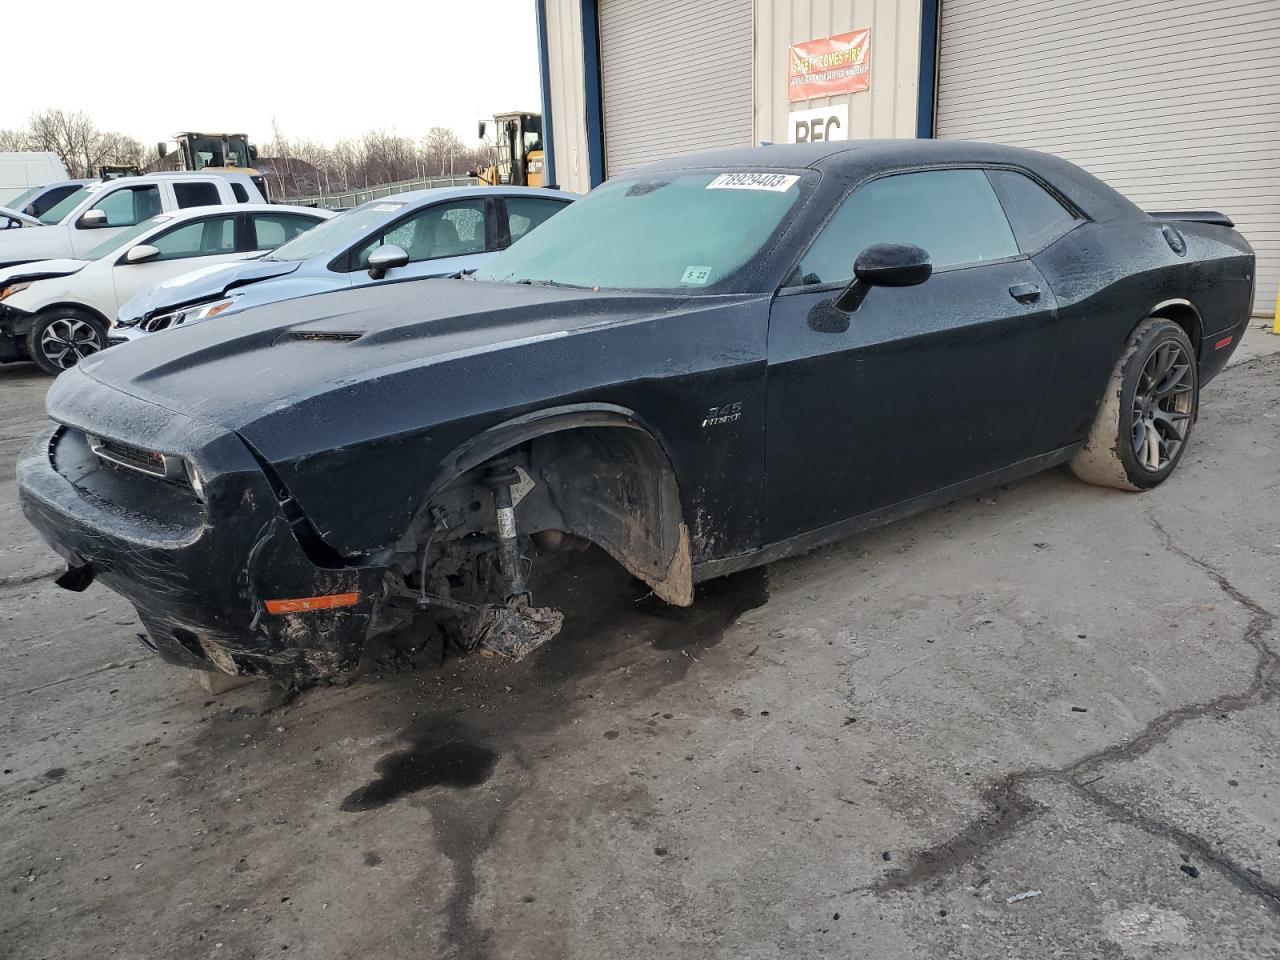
pixel 21 200
pixel 669 231
pixel 123 238
pixel 334 236
pixel 68 203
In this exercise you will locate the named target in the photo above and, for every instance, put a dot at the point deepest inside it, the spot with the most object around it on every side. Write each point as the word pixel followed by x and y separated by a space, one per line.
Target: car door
pixel 182 248
pixel 441 239
pixel 125 206
pixel 921 387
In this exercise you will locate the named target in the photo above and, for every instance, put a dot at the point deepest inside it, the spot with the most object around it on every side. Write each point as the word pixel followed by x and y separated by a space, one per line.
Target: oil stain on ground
pixel 426 763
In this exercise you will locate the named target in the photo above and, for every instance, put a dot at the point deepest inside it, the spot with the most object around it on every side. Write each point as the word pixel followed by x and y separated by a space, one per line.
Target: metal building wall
pixel 1177 105
pixel 568 107
pixel 675 78
pixel 888 109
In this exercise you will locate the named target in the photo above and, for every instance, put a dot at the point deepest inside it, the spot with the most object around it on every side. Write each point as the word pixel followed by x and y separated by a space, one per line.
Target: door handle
pixel 1025 292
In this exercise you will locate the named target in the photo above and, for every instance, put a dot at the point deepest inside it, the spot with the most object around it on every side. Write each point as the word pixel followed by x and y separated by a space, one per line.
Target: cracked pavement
pixel 866 751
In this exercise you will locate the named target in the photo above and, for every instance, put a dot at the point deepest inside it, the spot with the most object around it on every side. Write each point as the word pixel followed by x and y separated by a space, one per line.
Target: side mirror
pixel 141 253
pixel 93 219
pixel 385 258
pixel 884 265
pixel 482 127
pixel 162 148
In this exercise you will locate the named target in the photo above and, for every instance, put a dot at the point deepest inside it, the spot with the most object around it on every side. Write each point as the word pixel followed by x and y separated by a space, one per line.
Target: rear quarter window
pixel 1038 218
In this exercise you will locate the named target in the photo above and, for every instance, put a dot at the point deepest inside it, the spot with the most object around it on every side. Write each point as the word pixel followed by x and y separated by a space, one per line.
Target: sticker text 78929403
pixel 777 182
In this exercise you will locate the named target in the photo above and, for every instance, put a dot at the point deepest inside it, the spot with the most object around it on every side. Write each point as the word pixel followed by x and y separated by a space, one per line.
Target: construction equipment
pixel 227 152
pixel 519 160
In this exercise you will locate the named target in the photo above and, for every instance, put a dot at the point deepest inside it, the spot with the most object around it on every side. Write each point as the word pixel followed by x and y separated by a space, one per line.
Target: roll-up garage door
pixel 676 76
pixel 1175 104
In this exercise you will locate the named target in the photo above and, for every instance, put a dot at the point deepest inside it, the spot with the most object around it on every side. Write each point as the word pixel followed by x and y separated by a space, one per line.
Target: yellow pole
pixel 1275 324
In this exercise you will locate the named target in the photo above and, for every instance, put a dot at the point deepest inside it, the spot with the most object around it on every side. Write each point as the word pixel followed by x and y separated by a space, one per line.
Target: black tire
pixel 63 336
pixel 1145 419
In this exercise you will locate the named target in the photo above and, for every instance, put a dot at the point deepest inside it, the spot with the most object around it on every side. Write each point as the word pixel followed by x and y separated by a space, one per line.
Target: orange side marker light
pixel 305 604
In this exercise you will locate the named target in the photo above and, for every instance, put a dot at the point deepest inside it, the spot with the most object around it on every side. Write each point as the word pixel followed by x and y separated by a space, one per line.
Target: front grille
pixel 136 458
pixel 162 322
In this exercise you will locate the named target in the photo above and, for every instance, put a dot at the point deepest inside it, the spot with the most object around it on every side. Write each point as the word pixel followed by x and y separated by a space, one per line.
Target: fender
pixel 493 441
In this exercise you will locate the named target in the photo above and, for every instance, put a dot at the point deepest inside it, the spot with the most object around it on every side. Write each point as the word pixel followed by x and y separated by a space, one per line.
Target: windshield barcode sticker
pixel 777 182
pixel 387 207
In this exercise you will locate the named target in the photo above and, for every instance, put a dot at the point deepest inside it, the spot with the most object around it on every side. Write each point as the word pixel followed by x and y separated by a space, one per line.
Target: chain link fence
pixel 353 198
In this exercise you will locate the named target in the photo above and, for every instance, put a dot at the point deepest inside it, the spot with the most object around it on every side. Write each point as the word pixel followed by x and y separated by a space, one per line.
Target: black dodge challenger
pixel 704 365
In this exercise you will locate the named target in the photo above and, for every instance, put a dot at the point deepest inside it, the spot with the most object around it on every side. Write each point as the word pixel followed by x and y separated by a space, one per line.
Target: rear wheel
pixel 63 336
pixel 1146 415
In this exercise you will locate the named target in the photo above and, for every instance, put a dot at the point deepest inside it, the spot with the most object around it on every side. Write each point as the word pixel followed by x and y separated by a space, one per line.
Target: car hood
pixel 205 283
pixel 34 243
pixel 24 219
pixel 276 373
pixel 41 270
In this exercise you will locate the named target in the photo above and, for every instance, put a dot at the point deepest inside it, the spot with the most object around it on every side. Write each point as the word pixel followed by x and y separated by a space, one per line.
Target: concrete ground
pixel 1052 691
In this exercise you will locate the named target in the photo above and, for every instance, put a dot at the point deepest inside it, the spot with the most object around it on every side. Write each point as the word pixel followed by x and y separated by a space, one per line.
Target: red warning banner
pixel 829 65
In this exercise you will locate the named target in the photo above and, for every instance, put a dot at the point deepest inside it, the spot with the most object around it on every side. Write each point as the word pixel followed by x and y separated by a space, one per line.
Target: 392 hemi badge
pixel 720 415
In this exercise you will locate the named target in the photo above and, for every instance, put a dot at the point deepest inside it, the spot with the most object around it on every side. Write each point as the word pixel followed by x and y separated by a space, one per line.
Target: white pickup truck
pixel 97 211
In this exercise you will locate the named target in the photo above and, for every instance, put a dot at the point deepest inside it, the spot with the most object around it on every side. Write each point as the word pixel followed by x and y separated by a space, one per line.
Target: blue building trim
pixel 591 91
pixel 926 107
pixel 544 67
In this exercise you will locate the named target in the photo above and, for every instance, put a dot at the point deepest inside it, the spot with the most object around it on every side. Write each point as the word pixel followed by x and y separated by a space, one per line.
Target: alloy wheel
pixel 1162 406
pixel 66 341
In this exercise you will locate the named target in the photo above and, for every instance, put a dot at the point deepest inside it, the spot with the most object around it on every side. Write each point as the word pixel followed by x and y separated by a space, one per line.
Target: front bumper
pixel 199 575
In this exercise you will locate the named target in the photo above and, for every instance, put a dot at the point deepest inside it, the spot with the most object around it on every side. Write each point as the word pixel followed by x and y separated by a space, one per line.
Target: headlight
pixel 206 311
pixel 13 288
pixel 164 321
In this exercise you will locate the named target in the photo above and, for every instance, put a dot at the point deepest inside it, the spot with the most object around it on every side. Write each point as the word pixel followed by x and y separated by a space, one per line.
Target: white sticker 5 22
pixel 777 182
pixel 696 274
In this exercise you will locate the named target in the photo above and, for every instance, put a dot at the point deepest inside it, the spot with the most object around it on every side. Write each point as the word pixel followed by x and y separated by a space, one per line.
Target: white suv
pixel 98 211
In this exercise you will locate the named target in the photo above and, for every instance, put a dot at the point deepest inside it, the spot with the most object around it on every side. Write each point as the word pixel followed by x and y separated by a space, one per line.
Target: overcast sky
pixel 324 70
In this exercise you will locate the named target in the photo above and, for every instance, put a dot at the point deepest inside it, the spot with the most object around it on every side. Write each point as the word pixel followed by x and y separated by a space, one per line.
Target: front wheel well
pixel 610 484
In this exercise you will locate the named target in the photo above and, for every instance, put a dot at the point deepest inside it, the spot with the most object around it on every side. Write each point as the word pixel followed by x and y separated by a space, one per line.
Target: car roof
pixel 190 213
pixel 858 159
pixel 451 193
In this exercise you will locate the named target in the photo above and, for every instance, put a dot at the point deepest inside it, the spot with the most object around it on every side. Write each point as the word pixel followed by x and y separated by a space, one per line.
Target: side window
pixel 444 230
pixel 130 205
pixel 525 213
pixel 272 229
pixel 199 193
pixel 241 194
pixel 1037 217
pixel 199 238
pixel 50 199
pixel 952 214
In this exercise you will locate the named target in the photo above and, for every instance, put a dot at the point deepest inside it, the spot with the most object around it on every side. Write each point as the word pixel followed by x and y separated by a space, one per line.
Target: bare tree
pixel 442 147
pixel 14 141
pixel 294 167
pixel 123 149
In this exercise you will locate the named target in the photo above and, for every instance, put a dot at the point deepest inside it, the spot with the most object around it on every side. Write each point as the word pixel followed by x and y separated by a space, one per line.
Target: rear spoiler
pixel 1193 216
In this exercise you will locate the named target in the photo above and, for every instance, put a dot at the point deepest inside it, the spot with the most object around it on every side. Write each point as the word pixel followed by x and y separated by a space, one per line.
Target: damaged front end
pixel 227 573
pixel 240 597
